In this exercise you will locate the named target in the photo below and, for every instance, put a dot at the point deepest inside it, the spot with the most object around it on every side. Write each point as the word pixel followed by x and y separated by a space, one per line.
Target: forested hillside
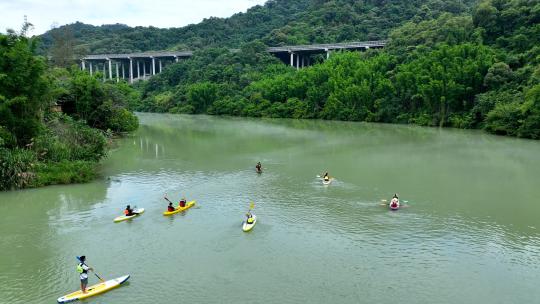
pixel 477 69
pixel 463 64
pixel 278 22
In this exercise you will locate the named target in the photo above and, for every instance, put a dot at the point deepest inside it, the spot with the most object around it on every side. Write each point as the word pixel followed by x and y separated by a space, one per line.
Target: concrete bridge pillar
pixel 153 66
pixel 104 71
pixel 91 72
pixel 117 73
pixel 160 66
pixel 130 70
pixel 110 68
pixel 123 71
pixel 292 59
pixel 138 69
pixel 83 65
pixel 175 58
pixel 144 69
pixel 298 61
pixel 327 53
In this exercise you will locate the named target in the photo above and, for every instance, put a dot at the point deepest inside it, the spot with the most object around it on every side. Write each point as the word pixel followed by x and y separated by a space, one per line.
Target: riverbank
pixel 55 123
pixel 66 152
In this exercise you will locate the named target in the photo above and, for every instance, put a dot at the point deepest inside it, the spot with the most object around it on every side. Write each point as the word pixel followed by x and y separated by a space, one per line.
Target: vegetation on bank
pixel 465 70
pixel 39 145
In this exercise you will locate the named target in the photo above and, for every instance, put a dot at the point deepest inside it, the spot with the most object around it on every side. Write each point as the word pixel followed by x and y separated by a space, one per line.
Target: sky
pixel 44 14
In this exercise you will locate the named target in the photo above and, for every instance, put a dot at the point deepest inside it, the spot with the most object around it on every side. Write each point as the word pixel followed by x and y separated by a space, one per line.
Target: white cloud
pixel 159 13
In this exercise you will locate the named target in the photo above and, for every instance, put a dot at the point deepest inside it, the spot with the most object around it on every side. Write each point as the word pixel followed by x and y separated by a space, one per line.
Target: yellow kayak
pixel 121 218
pixel 93 290
pixel 180 209
pixel 247 227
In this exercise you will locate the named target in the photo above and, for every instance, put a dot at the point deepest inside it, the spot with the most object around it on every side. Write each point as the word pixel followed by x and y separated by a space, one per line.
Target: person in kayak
pixel 83 269
pixel 249 216
pixel 395 201
pixel 182 202
pixel 170 208
pixel 326 177
pixel 258 167
pixel 129 211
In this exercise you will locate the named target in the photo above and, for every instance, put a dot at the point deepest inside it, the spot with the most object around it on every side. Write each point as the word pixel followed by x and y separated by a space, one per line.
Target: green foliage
pixel 15 168
pixel 201 95
pixel 463 64
pixel 444 80
pixel 277 22
pixel 530 124
pixel 101 105
pixel 67 139
pixel 39 146
pixel 24 89
pixel 64 172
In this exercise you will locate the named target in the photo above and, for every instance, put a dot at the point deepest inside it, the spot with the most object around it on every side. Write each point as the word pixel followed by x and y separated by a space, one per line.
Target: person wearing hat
pixel 83 269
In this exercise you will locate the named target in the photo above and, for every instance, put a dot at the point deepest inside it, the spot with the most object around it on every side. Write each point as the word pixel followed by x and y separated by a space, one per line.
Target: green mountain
pixel 454 63
pixel 278 22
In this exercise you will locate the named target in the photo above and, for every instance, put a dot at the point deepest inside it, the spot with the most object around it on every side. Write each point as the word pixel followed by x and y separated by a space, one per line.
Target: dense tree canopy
pixel 444 67
pixel 277 22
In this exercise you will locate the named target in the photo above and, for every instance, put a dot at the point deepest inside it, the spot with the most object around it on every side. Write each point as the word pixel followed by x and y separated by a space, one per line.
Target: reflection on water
pixel 470 233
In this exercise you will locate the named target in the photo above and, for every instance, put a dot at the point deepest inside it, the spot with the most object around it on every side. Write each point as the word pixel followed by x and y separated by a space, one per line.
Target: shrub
pixel 15 168
pixel 64 172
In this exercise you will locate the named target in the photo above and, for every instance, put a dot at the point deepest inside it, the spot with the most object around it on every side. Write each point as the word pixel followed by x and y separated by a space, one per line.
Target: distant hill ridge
pixel 277 22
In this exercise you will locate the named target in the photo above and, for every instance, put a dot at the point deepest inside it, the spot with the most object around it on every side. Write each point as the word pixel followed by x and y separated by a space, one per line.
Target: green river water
pixel 470 233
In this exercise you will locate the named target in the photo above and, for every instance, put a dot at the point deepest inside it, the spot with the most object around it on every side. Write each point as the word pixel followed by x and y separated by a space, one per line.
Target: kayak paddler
pixel 249 216
pixel 182 202
pixel 258 167
pixel 129 211
pixel 83 269
pixel 170 208
pixel 326 177
pixel 395 201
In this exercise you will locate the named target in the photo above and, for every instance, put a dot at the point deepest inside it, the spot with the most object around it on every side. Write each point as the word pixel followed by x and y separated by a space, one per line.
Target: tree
pixel 62 50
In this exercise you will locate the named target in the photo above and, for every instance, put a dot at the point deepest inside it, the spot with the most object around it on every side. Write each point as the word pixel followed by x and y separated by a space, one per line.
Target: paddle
pixel 165 197
pixel 79 259
pixel 251 206
pixel 318 176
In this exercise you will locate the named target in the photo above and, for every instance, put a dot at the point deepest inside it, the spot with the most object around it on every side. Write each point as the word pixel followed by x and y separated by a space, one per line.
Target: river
pixel 470 232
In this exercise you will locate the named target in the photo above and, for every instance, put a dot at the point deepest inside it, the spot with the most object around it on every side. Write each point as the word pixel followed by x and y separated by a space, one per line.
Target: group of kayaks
pixel 139 211
pixel 247 225
pixel 105 286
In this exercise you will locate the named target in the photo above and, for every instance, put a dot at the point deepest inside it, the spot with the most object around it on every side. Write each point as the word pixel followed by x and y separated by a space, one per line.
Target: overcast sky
pixel 160 13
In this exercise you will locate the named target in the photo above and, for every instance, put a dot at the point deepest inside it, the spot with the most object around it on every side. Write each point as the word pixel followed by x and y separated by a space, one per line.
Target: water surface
pixel 470 233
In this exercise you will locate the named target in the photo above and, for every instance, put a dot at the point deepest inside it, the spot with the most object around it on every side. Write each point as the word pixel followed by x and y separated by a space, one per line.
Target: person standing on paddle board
pixel 83 269
pixel 258 167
